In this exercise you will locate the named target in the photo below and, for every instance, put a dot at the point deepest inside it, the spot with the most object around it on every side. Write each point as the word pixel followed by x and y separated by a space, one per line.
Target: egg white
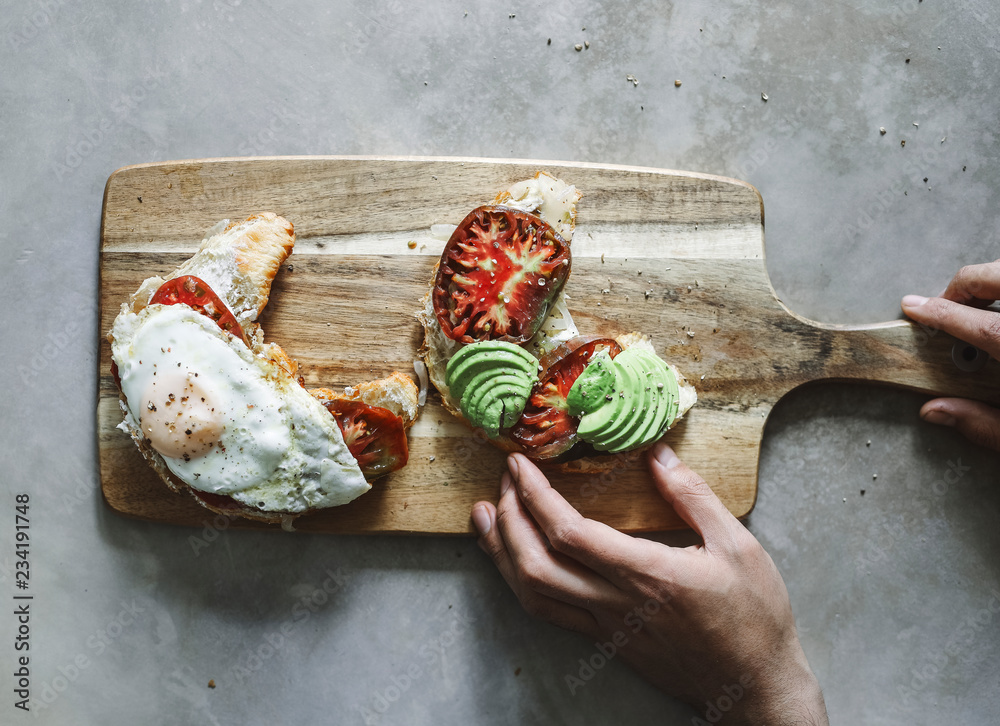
pixel 280 449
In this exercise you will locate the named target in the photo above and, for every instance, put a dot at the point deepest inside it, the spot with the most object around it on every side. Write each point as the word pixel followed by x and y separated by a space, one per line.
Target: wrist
pixel 789 696
pixel 801 704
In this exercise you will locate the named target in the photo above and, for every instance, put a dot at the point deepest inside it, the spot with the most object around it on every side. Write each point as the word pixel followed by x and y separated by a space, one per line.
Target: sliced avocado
pixel 660 410
pixel 603 417
pixel 479 382
pixel 503 407
pixel 629 436
pixel 479 399
pixel 460 375
pixel 674 388
pixel 470 361
pixel 491 346
pixel 514 399
pixel 644 403
pixel 624 399
pixel 490 421
pixel 589 390
pixel 492 381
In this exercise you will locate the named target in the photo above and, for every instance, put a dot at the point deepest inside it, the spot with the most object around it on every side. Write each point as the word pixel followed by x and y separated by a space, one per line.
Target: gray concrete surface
pixel 130 621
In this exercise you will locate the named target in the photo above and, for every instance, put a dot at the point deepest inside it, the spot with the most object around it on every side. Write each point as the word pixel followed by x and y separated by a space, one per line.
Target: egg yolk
pixel 179 418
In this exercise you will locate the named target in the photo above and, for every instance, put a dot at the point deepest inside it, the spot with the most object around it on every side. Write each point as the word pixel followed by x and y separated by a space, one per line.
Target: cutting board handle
pixel 900 353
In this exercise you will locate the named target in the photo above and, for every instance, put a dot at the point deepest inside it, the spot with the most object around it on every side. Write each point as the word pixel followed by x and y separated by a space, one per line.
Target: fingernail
pixel 512 465
pixel 940 418
pixel 481 518
pixel 666 456
pixel 505 482
pixel 913 301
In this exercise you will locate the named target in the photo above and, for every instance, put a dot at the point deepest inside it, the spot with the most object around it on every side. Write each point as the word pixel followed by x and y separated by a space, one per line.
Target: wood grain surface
pixel 676 255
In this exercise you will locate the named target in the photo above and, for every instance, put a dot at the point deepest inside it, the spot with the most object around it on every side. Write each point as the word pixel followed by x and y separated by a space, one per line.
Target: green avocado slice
pixel 491 419
pixel 630 435
pixel 591 388
pixel 469 362
pixel 491 346
pixel 481 398
pixel 624 399
pixel 657 417
pixel 461 376
pixel 675 396
pixel 499 414
pixel 513 397
pixel 592 424
pixel 656 413
pixel 479 382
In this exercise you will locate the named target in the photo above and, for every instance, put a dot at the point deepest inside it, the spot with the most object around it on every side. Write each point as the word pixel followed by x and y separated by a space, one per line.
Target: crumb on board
pixel 211 683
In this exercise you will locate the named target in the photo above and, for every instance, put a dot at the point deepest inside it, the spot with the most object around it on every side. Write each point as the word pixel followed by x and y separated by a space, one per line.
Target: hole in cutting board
pixel 968 357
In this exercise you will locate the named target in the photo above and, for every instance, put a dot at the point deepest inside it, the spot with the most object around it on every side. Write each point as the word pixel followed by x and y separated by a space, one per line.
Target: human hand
pixel 959 312
pixel 710 624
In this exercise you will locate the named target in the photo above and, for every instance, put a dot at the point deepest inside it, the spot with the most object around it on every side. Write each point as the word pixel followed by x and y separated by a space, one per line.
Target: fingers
pixel 693 499
pixel 571 617
pixel 973 325
pixel 977 421
pixel 975 284
pixel 603 549
pixel 542 569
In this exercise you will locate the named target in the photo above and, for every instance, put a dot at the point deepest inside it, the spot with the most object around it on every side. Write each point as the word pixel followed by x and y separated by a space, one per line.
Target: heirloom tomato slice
pixel 195 292
pixel 499 275
pixel 546 430
pixel 375 436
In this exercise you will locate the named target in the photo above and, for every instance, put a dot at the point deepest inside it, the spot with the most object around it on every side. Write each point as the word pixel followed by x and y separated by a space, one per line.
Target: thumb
pixel 979 327
pixel 691 497
pixel 978 422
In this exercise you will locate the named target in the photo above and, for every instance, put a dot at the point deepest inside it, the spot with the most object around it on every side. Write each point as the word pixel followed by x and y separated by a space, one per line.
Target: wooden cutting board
pixel 676 255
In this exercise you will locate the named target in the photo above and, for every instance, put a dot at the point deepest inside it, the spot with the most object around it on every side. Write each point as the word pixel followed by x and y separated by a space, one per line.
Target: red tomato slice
pixel 375 436
pixel 194 292
pixel 546 430
pixel 566 347
pixel 499 274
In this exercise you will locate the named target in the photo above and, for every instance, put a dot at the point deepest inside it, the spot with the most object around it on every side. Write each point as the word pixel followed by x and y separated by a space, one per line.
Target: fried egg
pixel 226 421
